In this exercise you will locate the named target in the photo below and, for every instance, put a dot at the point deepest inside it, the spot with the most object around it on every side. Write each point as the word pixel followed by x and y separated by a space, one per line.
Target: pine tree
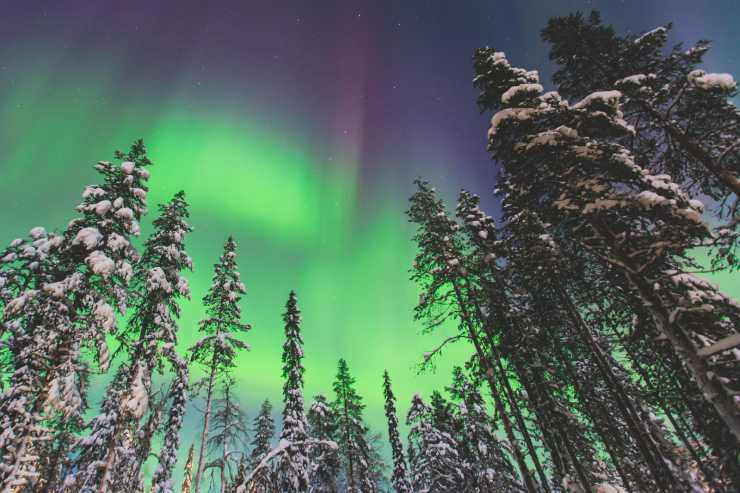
pixel 490 470
pixel 178 393
pixel 263 430
pixel 85 275
pixel 400 476
pixel 684 122
pixel 435 462
pixel 292 469
pixel 157 285
pixel 217 350
pixel 633 223
pixel 351 432
pixel 452 293
pixel 323 456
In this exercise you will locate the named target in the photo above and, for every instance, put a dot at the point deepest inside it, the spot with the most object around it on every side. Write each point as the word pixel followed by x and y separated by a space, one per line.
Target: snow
pixel 137 400
pixel 636 80
pixel 89 237
pixel 520 114
pixel 515 91
pixel 608 98
pixel 157 280
pixel 37 232
pixel 116 242
pixel 99 263
pixel 56 289
pixel 658 30
pixel 105 316
pixel 102 207
pixel 125 213
pixel 128 167
pixel 650 199
pixel 483 234
pixel 723 82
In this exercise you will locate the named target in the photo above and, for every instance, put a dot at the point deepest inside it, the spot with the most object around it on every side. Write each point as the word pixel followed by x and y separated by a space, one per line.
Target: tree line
pixel 600 358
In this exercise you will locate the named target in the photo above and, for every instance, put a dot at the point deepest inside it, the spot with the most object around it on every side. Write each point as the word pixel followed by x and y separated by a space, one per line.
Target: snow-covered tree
pixel 351 433
pixel 105 459
pixel 293 466
pixel 217 350
pixel 453 293
pixel 483 454
pixel 178 393
pixel 263 430
pixel 684 121
pixel 400 475
pixel 435 462
pixel 260 475
pixel 323 456
pixel 640 224
pixel 86 273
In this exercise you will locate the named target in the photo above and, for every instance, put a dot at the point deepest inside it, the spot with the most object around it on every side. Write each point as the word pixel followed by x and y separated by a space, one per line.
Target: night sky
pixel 298 128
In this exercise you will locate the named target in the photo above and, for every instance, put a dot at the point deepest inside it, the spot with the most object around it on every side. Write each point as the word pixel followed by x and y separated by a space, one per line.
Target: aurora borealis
pixel 298 128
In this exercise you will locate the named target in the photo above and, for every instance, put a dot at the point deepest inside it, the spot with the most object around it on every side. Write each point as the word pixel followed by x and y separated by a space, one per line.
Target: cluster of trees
pixel 612 365
pixel 608 363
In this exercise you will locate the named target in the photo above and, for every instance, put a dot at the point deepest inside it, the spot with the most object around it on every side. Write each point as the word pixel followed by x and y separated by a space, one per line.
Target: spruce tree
pixel 258 477
pixel 157 285
pixel 453 292
pixel 685 123
pixel 292 469
pixel 178 393
pixel 217 350
pixel 489 468
pixel 399 479
pixel 323 454
pixel 85 276
pixel 634 223
pixel 435 462
pixel 351 432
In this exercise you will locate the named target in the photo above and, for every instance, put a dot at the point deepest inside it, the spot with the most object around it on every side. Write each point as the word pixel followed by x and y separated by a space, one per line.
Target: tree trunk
pixel 204 433
pixel 490 378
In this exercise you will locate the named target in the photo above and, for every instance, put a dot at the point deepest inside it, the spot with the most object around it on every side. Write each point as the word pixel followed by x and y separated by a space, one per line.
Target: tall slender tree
pixel 292 469
pixel 323 452
pixel 217 350
pixel 400 475
pixel 352 433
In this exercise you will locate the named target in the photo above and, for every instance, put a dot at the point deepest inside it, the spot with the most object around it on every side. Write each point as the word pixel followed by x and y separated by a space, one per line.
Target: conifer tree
pixel 489 468
pixel 323 456
pixel 292 469
pixel 351 432
pixel 677 104
pixel 178 393
pixel 399 479
pixel 637 223
pixel 158 285
pixel 261 479
pixel 435 462
pixel 85 275
pixel 263 431
pixel 217 350
pixel 451 293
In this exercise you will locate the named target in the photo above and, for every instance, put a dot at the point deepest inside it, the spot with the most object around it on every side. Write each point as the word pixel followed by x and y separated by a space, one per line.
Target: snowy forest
pixel 601 357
